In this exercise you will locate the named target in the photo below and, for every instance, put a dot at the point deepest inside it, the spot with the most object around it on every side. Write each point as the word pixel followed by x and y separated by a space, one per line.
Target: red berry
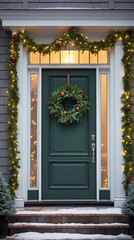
pixel 72 30
pixel 128 106
pixel 13 59
pixel 14 36
pixel 77 109
pixel 59 43
pixel 83 95
pixel 62 94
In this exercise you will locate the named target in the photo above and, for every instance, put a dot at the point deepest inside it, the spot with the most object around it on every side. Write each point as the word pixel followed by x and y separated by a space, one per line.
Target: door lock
pixel 93 152
pixel 93 137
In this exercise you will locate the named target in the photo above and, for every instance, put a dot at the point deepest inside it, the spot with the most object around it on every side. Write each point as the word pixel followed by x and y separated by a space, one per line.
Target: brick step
pixel 69 218
pixel 104 228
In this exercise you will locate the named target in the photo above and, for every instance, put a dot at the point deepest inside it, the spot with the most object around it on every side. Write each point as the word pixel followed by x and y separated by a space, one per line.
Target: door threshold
pixel 71 203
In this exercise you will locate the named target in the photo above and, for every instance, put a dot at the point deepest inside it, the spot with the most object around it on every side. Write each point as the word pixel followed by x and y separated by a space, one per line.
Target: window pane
pixel 84 57
pixel 45 59
pixel 93 58
pixel 34 58
pixel 104 131
pixel 65 58
pixel 70 57
pixel 33 162
pixel 74 57
pixel 54 58
pixel 102 57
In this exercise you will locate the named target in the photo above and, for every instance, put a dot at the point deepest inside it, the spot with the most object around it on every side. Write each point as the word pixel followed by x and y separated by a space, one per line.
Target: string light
pixel 82 42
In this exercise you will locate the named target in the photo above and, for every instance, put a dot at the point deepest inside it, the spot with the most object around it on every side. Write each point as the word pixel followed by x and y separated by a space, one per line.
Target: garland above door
pixel 82 43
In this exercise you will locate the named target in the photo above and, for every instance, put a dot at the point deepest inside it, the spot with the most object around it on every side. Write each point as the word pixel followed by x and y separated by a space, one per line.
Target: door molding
pixel 99 69
pixel 23 135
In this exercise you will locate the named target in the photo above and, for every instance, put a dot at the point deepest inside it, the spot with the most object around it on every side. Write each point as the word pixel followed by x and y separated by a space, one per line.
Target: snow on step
pixel 72 211
pixel 71 225
pixel 65 236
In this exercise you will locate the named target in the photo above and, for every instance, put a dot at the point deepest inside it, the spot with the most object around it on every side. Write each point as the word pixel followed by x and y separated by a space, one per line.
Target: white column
pixel 118 83
pixel 22 129
pixel 112 161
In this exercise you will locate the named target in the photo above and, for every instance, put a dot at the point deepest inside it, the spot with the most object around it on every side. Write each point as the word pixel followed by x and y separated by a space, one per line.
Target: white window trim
pixel 33 71
pixel 104 71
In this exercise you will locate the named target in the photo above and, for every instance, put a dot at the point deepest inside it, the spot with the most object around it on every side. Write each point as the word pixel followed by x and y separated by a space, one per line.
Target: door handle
pixel 93 152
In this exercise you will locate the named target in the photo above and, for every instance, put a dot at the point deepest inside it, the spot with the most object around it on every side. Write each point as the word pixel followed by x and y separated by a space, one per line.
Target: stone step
pixel 68 218
pixel 104 228
pixel 65 236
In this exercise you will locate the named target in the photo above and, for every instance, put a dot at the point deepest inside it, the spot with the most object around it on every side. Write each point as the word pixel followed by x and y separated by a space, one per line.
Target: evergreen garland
pixel 81 43
pixel 79 107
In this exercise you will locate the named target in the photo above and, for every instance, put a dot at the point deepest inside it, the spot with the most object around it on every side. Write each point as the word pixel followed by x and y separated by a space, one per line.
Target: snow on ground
pixel 68 224
pixel 64 236
pixel 89 210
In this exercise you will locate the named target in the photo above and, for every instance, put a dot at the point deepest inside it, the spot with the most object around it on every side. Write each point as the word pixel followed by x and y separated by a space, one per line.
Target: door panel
pixel 60 142
pixel 67 169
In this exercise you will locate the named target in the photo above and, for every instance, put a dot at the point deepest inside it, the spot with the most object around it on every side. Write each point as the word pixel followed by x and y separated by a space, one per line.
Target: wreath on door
pixel 61 98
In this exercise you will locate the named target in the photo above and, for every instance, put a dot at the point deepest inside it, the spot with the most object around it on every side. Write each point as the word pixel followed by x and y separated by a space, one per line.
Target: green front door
pixel 68 171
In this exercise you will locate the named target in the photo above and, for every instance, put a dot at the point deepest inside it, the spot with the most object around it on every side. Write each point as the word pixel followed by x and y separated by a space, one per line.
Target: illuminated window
pixel 70 57
pixel 34 58
pixel 104 183
pixel 65 57
pixel 54 57
pixel 33 152
pixel 84 57
pixel 102 57
pixel 74 57
pixel 45 59
pixel 93 58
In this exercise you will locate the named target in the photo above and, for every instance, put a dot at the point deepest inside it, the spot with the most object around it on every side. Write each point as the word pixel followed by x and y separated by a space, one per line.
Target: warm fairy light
pixel 122 167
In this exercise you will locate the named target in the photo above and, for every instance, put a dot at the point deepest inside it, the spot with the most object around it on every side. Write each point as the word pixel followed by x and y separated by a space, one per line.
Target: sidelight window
pixel 33 132
pixel 104 177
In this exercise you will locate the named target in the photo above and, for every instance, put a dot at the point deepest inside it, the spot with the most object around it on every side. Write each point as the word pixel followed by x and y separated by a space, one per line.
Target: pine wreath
pixel 66 93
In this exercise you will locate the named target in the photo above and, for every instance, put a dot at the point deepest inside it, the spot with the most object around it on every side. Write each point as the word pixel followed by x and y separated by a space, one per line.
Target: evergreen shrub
pixel 7 206
pixel 128 205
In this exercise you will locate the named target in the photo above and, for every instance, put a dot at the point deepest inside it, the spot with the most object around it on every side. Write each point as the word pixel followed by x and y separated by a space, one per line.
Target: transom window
pixel 70 57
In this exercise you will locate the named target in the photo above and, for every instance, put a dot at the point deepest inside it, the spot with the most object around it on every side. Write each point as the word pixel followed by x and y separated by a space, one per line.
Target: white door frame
pixel 114 122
